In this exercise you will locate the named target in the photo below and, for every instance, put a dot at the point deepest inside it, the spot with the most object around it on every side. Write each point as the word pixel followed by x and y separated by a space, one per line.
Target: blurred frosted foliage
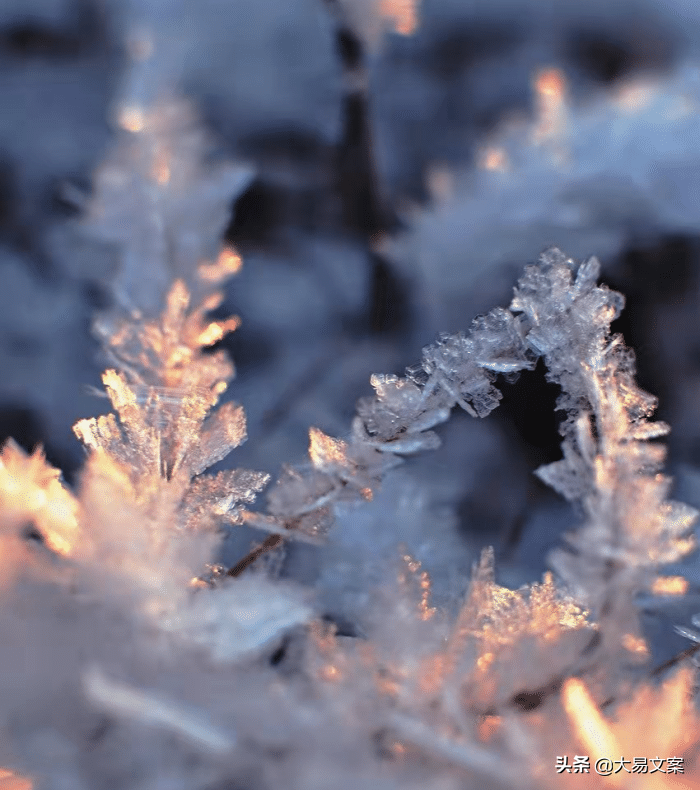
pixel 372 19
pixel 467 68
pixel 593 171
pixel 147 462
pixel 273 62
pixel 158 202
pixel 351 567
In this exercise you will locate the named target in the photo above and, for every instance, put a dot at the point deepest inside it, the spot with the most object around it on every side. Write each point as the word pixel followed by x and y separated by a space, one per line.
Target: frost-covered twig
pixel 560 314
pixel 609 466
pixel 457 370
pixel 148 511
pixel 143 707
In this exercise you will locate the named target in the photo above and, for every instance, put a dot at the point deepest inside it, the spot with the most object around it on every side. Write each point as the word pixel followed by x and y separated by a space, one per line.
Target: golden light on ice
pixel 670 585
pixel 588 723
pixel 550 83
pixel 635 644
pixel 12 781
pixel 550 102
pixel 32 489
pixel 227 264
pixel 325 450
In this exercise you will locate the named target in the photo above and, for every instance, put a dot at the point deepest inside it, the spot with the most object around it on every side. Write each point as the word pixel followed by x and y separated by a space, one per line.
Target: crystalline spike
pixel 220 433
pixel 587 275
pixel 31 491
pixel 326 452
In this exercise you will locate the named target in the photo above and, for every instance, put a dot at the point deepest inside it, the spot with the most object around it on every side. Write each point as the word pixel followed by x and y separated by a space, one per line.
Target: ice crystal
pixel 665 734
pixel 537 629
pixel 150 513
pixel 150 455
pixel 558 313
pixel 609 465
pixel 159 203
pixel 31 491
pixel 438 678
pixel 457 370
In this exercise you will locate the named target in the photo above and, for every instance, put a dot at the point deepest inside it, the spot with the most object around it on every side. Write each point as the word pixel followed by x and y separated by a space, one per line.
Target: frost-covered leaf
pixel 520 639
pixel 159 202
pixel 326 452
pixel 240 618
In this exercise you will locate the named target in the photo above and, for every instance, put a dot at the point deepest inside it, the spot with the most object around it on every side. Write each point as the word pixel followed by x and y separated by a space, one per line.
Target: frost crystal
pixel 514 628
pixel 31 491
pixel 159 203
pixel 149 512
pixel 150 454
pixel 609 466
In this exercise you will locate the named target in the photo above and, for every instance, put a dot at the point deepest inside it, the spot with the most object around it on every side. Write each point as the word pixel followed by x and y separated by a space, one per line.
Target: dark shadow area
pixel 605 57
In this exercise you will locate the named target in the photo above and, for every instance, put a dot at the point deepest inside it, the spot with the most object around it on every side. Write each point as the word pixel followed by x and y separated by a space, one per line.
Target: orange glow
pixel 330 672
pixel 227 264
pixel 160 171
pixel 550 83
pixel 229 260
pixel 367 494
pixel 484 661
pixel 413 565
pixel 326 451
pixel 488 727
pixel 550 94
pixel 635 644
pixel 12 781
pixel 493 158
pixel 216 330
pixel 402 13
pixel 588 723
pixel 32 489
pixel 212 301
pixel 426 611
pixel 131 118
pixel 670 585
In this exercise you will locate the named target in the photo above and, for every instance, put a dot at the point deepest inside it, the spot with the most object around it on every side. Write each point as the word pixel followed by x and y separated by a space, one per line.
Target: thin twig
pixel 270 542
pixel 687 653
